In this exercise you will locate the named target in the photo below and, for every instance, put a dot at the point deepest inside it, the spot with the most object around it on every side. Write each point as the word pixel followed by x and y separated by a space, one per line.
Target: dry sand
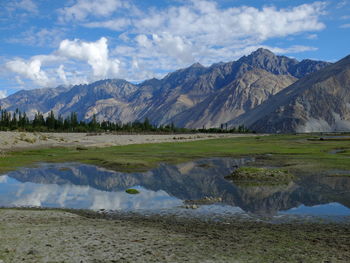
pixel 20 140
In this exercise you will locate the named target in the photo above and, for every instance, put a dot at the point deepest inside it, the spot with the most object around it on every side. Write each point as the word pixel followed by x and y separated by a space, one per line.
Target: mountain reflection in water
pixel 74 185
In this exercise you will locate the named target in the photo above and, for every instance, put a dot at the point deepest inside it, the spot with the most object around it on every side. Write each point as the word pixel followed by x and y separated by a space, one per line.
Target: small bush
pixel 261 175
pixel 81 148
pixel 132 191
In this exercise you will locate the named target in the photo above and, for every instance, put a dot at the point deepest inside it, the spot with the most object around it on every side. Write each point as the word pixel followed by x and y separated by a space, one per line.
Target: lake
pixel 168 189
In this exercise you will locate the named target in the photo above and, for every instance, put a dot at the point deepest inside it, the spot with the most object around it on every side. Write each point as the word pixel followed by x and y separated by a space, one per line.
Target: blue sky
pixel 50 43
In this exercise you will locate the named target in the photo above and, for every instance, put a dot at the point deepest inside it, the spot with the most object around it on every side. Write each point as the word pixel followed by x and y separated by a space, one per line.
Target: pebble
pixel 32 252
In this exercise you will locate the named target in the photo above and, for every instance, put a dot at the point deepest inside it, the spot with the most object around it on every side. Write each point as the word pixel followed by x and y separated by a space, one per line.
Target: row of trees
pixel 19 121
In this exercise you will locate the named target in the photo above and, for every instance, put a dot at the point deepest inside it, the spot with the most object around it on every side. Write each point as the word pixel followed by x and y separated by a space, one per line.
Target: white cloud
pixel 204 21
pixel 31 70
pixel 342 4
pixel 115 24
pixel 62 74
pixel 17 12
pixel 201 31
pixel 172 46
pixel 292 49
pixel 84 8
pixel 20 5
pixel 3 94
pixel 74 62
pixel 175 46
pixel 312 36
pixel 39 37
pixel 94 53
pixel 27 5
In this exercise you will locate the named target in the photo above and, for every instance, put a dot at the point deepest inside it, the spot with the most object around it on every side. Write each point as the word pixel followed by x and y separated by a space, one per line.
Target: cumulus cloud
pixel 166 44
pixel 3 94
pixel 62 74
pixel 175 46
pixel 94 53
pixel 71 63
pixel 31 70
pixel 84 8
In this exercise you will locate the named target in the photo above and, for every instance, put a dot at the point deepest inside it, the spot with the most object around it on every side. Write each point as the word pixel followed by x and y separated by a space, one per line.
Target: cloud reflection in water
pixel 15 193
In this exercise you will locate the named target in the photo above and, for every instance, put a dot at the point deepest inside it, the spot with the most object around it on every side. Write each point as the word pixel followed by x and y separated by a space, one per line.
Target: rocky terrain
pixel 193 97
pixel 78 236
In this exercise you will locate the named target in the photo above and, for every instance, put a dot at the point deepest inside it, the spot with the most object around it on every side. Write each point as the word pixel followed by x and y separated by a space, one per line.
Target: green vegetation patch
pixel 132 191
pixel 261 175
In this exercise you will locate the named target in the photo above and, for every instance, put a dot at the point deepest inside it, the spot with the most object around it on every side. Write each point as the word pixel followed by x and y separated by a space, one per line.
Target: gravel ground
pixel 82 236
pixel 20 140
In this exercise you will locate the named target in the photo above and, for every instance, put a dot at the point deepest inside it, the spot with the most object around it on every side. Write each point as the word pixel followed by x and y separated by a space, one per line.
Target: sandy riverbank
pixel 24 140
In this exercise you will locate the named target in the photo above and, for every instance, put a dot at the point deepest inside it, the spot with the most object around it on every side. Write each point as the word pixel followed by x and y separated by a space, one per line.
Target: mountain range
pixel 263 91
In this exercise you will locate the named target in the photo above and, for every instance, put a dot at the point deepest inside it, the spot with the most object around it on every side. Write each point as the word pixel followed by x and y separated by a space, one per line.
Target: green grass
pixel 292 151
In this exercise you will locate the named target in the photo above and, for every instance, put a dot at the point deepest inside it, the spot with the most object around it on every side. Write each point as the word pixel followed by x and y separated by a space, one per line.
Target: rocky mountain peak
pixel 152 81
pixel 262 52
pixel 319 102
pixel 197 65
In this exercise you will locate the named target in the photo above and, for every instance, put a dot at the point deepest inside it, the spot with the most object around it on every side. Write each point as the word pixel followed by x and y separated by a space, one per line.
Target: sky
pixel 47 43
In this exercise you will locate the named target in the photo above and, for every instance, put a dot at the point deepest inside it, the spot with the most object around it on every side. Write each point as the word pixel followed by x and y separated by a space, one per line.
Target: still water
pixel 166 188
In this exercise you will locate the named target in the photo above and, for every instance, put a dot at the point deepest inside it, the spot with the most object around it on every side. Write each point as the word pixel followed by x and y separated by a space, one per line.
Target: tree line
pixel 19 121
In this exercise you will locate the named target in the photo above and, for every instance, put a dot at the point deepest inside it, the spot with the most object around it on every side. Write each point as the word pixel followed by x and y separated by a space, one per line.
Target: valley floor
pixel 80 236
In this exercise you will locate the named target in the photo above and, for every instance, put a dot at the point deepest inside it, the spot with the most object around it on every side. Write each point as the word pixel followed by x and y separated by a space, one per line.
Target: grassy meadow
pixel 295 152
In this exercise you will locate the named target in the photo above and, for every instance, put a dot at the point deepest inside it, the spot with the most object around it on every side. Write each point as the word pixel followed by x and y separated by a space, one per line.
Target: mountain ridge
pixel 235 87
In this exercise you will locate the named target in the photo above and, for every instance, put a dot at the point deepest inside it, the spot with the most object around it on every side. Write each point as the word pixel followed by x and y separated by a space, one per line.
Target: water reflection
pixel 14 193
pixel 165 187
